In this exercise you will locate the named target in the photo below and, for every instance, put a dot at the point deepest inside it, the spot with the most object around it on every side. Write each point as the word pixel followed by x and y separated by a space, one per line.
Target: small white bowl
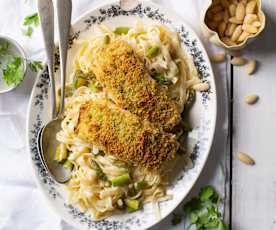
pixel 14 49
pixel 214 37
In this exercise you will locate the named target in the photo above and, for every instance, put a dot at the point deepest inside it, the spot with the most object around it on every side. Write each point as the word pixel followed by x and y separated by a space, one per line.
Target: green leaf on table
pixel 28 32
pixel 13 71
pixel 29 22
pixel 32 19
pixel 206 193
pixel 35 66
pixel 193 205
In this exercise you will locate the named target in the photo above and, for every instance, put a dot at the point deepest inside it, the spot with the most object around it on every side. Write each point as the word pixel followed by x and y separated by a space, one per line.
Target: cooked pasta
pixel 95 139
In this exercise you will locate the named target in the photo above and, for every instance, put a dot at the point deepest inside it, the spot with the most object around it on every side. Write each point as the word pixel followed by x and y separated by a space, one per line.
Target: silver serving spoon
pixel 47 142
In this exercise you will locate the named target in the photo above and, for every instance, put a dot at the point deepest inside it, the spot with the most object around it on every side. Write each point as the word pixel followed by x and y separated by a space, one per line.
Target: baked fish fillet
pixel 125 77
pixel 124 135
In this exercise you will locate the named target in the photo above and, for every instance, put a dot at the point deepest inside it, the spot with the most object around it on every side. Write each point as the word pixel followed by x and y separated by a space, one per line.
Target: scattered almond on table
pixel 251 99
pixel 219 57
pixel 238 61
pixel 245 158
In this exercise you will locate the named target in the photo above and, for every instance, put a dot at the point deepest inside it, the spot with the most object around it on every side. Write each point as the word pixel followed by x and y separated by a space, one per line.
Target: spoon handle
pixel 46 14
pixel 64 11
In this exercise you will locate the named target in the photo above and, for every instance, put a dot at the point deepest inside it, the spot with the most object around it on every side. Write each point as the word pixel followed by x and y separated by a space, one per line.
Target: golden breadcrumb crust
pixel 124 135
pixel 125 77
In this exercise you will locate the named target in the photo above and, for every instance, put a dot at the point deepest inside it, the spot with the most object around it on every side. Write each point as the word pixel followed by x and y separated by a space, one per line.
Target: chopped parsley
pixel 203 211
pixel 29 22
pixel 13 72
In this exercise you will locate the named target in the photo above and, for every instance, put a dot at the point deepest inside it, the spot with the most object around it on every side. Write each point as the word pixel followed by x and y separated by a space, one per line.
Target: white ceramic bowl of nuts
pixel 232 24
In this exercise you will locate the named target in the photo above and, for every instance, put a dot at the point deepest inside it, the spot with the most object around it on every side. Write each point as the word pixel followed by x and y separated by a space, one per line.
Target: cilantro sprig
pixel 4 47
pixel 35 66
pixel 203 211
pixel 29 22
pixel 13 72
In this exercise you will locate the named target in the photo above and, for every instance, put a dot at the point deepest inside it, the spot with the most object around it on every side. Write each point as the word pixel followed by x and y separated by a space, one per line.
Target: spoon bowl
pixel 47 147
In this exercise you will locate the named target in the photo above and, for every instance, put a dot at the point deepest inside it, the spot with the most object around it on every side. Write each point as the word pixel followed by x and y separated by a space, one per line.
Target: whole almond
pixel 244 35
pixel 244 2
pixel 238 61
pixel 217 57
pixel 228 41
pixel 216 8
pixel 235 20
pixel 249 28
pixel 232 10
pixel 236 34
pixel 226 16
pixel 201 87
pixel 250 18
pixel 256 24
pixel 240 11
pixel 212 25
pixel 251 99
pixel 230 28
pixel 250 7
pixel 221 29
pixel 245 158
pixel 251 67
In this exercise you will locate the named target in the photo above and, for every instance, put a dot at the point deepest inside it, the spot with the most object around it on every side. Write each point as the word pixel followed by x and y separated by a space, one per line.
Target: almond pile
pixel 233 20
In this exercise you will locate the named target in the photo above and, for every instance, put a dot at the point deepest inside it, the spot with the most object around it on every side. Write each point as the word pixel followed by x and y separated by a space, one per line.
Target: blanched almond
pixel 250 7
pixel 201 87
pixel 236 34
pixel 232 10
pixel 230 29
pixel 251 99
pixel 245 158
pixel 217 57
pixel 228 41
pixel 249 28
pixel 226 16
pixel 250 18
pixel 244 2
pixel 221 29
pixel 256 24
pixel 240 11
pixel 243 36
pixel 238 61
pixel 225 4
pixel 251 67
pixel 235 20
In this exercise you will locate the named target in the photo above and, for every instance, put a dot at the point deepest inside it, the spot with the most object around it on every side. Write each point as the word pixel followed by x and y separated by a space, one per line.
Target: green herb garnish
pixel 32 19
pixel 203 211
pixel 35 66
pixel 29 21
pixel 13 72
pixel 161 79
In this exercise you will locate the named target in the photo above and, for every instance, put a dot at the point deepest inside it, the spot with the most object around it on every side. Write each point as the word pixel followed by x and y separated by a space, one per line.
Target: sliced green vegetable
pixel 13 72
pixel 121 180
pixel 68 165
pixel 99 172
pixel 132 205
pixel 140 185
pixel 121 30
pixel 61 153
pixel 161 79
pixel 153 51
